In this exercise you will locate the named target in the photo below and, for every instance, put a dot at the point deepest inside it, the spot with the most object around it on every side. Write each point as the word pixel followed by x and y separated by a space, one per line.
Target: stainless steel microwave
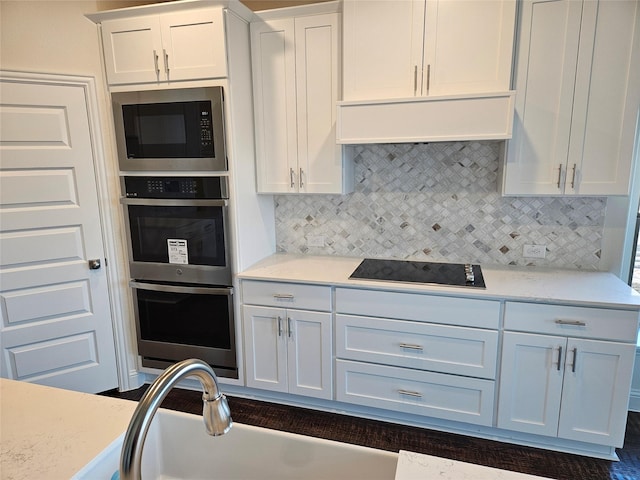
pixel 180 130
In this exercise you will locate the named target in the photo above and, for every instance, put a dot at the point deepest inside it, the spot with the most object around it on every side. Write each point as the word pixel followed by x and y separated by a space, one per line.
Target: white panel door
pixel 133 50
pixel 383 48
pixel 309 353
pixel 597 382
pixel 55 316
pixel 531 383
pixel 468 46
pixel 265 348
pixel 274 70
pixel 317 74
pixel 194 44
pixel 545 79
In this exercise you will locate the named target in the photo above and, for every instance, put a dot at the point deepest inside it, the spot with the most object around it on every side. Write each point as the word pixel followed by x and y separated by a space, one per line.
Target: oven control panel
pixel 176 187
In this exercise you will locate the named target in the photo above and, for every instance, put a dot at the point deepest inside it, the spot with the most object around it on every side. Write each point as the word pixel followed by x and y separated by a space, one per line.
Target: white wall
pixel 55 37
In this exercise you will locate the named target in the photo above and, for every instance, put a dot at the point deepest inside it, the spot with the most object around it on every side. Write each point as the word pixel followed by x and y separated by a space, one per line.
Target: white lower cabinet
pixel 563 386
pixel 418 354
pixel 438 395
pixel 286 349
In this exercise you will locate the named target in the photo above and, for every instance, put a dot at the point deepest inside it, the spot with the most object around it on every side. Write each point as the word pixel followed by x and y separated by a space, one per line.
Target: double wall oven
pixel 176 218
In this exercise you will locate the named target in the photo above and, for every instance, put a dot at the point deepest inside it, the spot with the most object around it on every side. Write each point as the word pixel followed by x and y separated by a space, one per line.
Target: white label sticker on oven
pixel 178 252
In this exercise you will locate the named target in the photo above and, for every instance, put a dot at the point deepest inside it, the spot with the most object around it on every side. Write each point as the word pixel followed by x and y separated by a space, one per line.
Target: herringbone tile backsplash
pixel 440 202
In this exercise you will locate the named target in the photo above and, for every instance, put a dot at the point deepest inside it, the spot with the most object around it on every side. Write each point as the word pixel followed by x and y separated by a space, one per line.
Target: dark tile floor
pixel 392 437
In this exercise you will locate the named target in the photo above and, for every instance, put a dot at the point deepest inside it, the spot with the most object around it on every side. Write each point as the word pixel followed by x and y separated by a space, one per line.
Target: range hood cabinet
pixel 426 119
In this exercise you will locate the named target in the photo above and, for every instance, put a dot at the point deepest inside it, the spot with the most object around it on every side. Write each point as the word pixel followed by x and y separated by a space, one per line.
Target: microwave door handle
pixel 181 289
pixel 155 202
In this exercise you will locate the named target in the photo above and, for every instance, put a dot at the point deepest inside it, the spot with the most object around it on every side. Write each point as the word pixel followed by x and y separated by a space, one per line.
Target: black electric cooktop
pixel 452 274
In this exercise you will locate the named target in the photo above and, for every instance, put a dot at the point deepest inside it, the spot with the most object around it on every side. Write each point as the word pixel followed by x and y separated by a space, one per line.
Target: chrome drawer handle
pixel 410 393
pixel 576 323
pixel 411 346
pixel 559 358
pixel 283 296
pixel 575 358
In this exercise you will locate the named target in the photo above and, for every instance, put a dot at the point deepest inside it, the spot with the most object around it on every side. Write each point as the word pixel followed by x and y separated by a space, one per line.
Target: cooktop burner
pixel 452 274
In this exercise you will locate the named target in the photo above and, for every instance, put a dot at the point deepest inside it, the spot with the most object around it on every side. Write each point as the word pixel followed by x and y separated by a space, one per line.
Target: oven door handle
pixel 174 202
pixel 181 289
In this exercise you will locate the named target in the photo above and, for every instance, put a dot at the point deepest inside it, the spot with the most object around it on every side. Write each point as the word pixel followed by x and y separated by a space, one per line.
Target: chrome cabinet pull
pixel 573 178
pixel 155 61
pixel 415 80
pixel 291 174
pixel 559 175
pixel 289 326
pixel 166 61
pixel 301 174
pixel 428 78
pixel 575 323
pixel 575 357
pixel 411 346
pixel 279 319
pixel 283 296
pixel 559 357
pixel 410 393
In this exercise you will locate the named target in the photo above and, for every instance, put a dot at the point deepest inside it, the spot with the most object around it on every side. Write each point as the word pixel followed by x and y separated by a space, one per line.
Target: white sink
pixel 178 447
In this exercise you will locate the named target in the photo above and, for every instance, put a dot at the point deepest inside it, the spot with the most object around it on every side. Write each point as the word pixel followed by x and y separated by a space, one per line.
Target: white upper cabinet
pixel 578 67
pixel 187 45
pixel 296 69
pixel 395 49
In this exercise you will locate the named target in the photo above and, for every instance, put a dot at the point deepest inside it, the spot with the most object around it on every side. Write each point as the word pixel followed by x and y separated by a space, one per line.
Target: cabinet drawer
pixel 569 321
pixel 287 295
pixel 423 308
pixel 425 346
pixel 411 391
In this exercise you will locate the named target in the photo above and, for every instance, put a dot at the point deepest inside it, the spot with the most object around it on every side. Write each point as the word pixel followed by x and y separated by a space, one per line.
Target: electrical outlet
pixel 534 251
pixel 315 241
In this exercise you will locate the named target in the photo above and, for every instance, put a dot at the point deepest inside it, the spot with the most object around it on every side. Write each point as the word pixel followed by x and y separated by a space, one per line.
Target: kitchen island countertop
pixel 52 433
pixel 531 284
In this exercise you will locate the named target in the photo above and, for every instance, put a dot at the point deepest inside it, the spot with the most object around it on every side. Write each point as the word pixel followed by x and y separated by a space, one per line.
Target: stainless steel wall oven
pixel 179 265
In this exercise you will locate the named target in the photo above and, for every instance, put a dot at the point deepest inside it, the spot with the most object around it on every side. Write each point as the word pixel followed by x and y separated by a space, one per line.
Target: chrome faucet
pixel 216 413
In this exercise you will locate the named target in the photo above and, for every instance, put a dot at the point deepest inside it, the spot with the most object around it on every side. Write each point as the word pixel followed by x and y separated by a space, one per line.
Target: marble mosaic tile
pixel 440 202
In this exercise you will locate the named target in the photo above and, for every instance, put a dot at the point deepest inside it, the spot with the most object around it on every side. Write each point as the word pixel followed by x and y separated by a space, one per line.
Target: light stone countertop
pixel 416 466
pixel 52 433
pixel 531 284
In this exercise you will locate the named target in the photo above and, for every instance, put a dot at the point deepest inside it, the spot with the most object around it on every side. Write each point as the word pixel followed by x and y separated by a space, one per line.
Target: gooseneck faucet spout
pixel 216 413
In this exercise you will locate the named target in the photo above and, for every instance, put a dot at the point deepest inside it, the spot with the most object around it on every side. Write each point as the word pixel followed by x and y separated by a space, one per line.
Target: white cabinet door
pixel 576 101
pixel 132 50
pixel 194 45
pixel 265 348
pixel 468 46
pixel 296 71
pixel 597 381
pixel 288 350
pixel 545 75
pixel 317 55
pixel 160 48
pixel 531 383
pixel 383 48
pixel 273 60
pixel 607 99
pixel 309 353
pixel 396 49
pixel 575 389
